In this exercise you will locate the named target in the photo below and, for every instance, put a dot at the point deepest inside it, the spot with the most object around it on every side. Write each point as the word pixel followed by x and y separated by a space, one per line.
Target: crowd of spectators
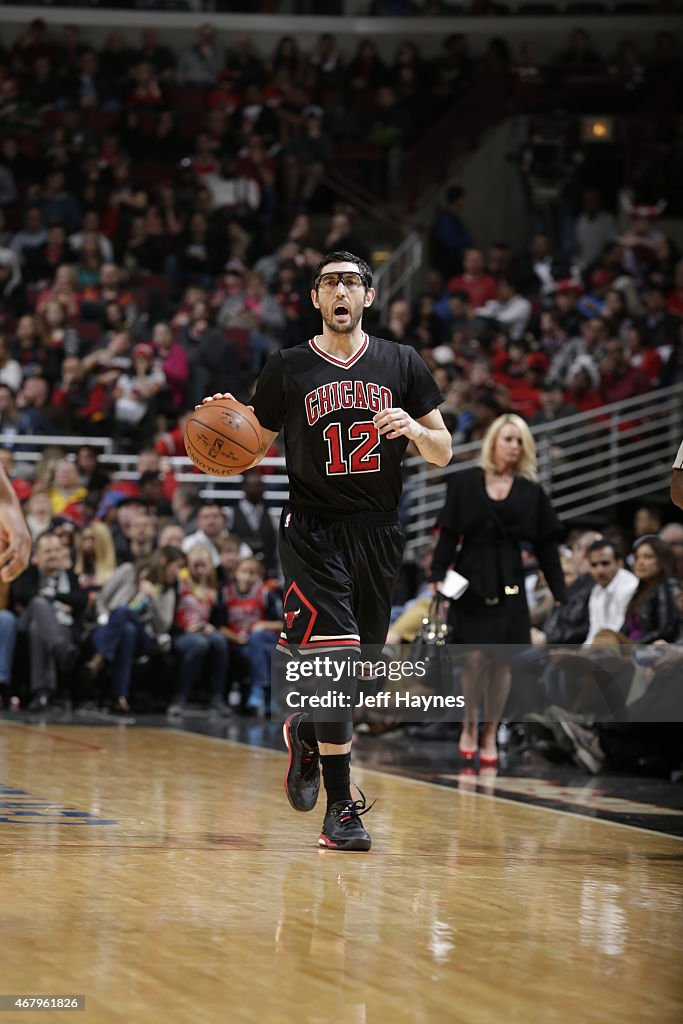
pixel 124 572
pixel 621 710
pixel 159 217
pixel 604 671
pixel 156 231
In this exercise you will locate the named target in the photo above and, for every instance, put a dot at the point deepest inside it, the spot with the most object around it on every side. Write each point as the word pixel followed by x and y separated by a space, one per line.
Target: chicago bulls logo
pixel 299 616
pixel 290 616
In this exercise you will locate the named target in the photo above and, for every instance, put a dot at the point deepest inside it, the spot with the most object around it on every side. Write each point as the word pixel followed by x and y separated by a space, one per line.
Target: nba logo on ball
pixel 223 437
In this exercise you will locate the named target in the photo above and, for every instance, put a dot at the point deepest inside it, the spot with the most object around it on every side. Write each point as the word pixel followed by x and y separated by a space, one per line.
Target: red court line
pixel 51 736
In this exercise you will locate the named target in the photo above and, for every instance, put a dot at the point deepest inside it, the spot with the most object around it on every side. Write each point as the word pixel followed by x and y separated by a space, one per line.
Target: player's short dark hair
pixel 603 542
pixel 339 256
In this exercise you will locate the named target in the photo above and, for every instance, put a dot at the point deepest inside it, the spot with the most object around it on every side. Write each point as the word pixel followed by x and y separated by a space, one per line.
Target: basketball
pixel 222 437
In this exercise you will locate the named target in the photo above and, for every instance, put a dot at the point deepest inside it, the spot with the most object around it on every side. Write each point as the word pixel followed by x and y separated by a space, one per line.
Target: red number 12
pixel 363 458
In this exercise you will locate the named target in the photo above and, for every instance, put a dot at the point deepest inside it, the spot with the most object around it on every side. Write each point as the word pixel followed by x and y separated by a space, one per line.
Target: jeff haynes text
pixel 382 699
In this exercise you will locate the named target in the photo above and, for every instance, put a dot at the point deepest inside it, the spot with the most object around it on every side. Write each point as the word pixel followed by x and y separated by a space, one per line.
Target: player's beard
pixel 347 328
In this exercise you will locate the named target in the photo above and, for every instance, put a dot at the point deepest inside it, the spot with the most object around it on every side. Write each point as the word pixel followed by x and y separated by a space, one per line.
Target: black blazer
pixel 659 615
pixel 27 586
pixel 482 538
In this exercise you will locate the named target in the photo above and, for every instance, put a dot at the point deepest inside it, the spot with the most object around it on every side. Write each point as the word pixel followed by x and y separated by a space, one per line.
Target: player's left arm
pixel 15 538
pixel 429 433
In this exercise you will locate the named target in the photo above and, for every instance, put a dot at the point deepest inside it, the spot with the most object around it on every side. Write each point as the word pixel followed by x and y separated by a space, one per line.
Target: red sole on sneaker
pixel 354 846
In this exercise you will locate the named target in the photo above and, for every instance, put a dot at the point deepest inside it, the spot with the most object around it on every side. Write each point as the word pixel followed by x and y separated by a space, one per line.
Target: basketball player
pixel 676 491
pixel 15 539
pixel 348 404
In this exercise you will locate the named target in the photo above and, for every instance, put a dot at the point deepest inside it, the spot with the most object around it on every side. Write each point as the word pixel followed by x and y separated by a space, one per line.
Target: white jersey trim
pixel 340 362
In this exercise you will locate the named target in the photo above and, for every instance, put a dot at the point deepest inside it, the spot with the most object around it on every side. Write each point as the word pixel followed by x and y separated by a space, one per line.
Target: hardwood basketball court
pixel 164 876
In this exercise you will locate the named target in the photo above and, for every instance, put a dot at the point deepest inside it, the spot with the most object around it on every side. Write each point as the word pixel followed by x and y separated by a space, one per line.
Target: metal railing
pixel 396 278
pixel 227 489
pixel 30 447
pixel 588 463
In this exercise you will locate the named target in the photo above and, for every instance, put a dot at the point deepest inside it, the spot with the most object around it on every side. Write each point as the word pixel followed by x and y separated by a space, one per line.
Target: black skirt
pixel 474 622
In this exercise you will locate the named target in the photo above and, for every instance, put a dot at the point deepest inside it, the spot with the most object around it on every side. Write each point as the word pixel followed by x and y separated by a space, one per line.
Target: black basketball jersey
pixel 337 463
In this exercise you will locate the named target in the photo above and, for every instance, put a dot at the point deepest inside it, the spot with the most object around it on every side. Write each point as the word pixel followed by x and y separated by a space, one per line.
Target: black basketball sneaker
pixel 342 827
pixel 302 778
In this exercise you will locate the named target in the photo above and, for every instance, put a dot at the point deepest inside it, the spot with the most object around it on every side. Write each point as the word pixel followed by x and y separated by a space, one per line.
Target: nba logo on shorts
pixel 287 519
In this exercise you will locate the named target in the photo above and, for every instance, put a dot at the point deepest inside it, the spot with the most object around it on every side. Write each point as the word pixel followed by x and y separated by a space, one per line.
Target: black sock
pixel 306 732
pixel 336 777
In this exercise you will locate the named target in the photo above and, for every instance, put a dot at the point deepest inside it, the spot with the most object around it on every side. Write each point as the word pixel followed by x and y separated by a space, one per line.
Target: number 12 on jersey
pixel 361 459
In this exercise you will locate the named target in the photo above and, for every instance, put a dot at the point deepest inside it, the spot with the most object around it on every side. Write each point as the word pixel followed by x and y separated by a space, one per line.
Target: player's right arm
pixel 268 436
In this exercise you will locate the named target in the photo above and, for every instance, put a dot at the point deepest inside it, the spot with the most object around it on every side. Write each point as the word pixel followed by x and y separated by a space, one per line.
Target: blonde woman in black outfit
pixel 489 511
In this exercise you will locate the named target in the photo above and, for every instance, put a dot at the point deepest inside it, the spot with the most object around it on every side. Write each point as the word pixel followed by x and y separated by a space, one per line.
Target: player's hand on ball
pixel 397 423
pixel 217 397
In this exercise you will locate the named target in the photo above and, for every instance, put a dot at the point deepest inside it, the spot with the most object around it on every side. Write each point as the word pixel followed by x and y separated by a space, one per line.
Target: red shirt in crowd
pixel 674 303
pixel 617 387
pixel 245 610
pixel 171 443
pixel 194 604
pixel 480 287
pixel 584 402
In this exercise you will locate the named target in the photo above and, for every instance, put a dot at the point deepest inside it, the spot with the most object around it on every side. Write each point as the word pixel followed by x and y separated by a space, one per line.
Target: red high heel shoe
pixel 467 755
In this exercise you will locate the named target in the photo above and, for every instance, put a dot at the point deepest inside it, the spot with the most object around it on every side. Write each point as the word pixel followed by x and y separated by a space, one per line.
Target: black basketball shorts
pixel 339 581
